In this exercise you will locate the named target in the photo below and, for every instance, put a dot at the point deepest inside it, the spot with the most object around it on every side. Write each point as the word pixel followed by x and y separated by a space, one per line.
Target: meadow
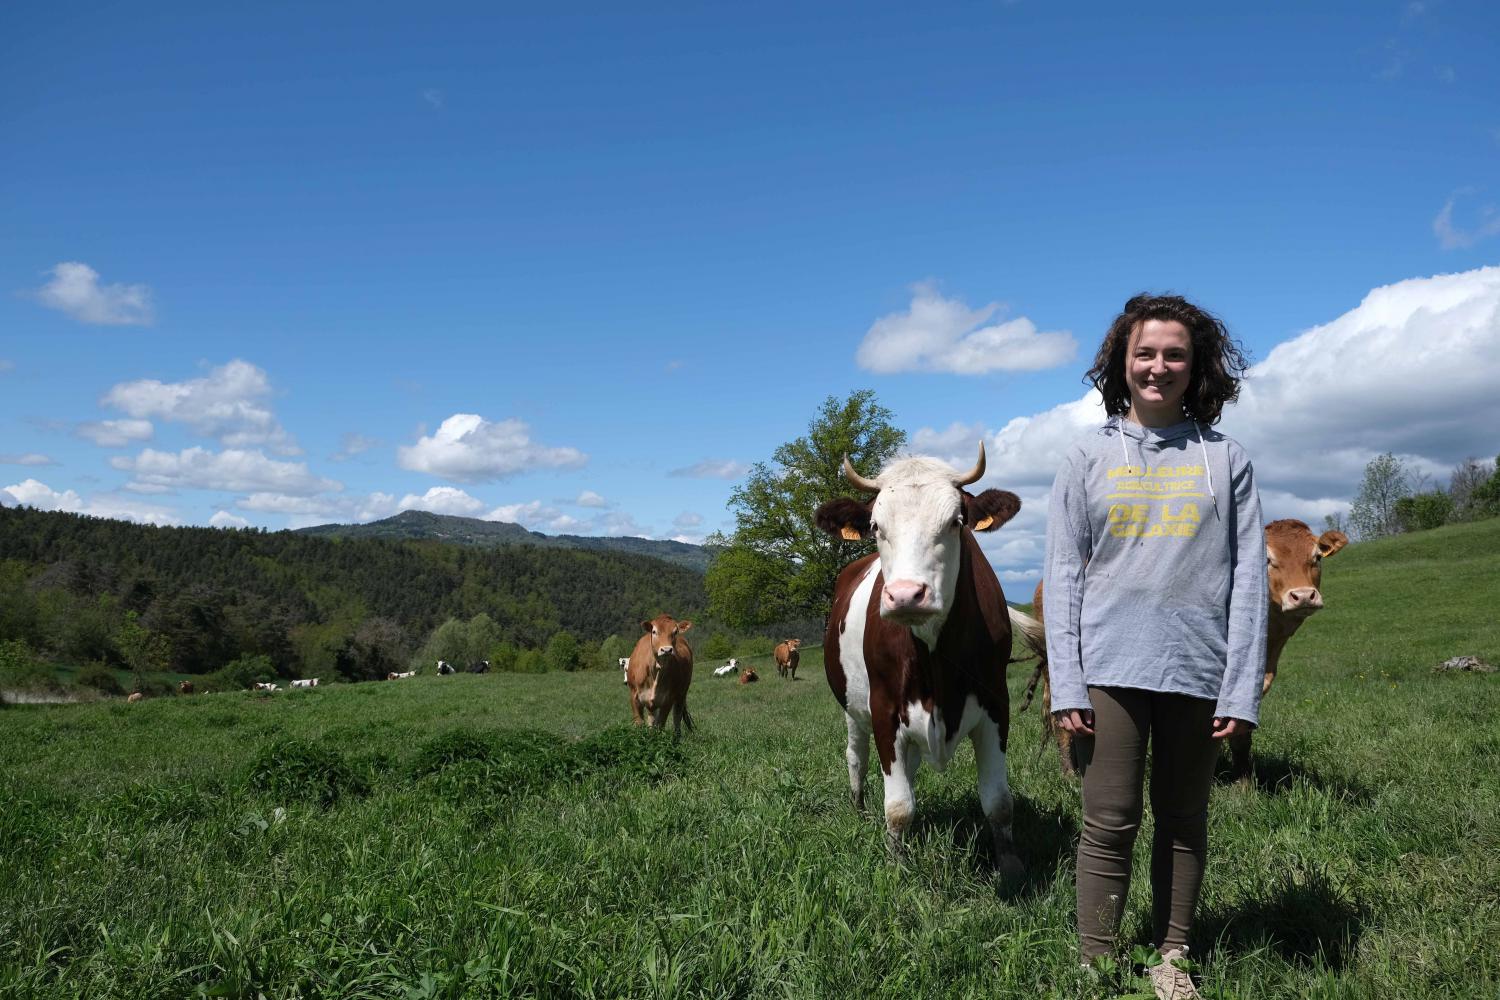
pixel 509 835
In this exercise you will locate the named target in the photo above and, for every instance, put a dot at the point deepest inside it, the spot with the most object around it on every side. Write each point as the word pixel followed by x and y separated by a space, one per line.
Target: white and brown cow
pixel 917 643
pixel 786 658
pixel 660 670
pixel 1294 566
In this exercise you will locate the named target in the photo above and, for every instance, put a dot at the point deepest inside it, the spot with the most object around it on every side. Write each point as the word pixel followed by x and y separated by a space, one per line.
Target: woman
pixel 1156 612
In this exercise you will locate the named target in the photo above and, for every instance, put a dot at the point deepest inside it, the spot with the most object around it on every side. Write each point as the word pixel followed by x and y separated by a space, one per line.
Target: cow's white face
pixel 918 518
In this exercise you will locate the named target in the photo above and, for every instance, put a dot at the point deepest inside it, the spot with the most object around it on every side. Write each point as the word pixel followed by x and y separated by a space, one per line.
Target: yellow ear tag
pixel 849 534
pixel 984 522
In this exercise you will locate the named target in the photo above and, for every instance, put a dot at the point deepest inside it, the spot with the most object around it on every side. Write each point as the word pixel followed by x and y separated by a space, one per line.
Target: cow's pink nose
pixel 903 595
pixel 1303 597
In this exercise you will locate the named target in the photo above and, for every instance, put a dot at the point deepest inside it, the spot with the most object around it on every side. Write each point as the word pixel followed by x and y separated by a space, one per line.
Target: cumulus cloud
pixel 75 290
pixel 1454 237
pixel 224 519
pixel 32 493
pixel 944 335
pixel 443 500
pixel 1411 370
pixel 305 509
pixel 712 468
pixel 467 448
pixel 232 469
pixel 229 404
pixel 29 458
pixel 115 433
pixel 588 498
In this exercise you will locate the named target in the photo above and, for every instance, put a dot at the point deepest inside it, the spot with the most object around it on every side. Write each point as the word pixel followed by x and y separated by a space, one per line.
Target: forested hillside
pixel 191 599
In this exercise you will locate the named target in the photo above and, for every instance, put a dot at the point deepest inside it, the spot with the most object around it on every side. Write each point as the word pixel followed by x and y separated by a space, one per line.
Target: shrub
pixel 297 769
pixel 240 674
pixel 101 678
pixel 19 668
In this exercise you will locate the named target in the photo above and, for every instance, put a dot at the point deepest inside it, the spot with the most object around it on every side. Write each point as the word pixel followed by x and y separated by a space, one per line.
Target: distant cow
pixel 661 668
pixel 786 658
pixel 918 640
pixel 479 667
pixel 393 676
pixel 728 668
pixel 1294 563
pixel 263 686
pixel 186 687
pixel 749 676
pixel 625 669
pixel 311 682
pixel 136 696
pixel 444 668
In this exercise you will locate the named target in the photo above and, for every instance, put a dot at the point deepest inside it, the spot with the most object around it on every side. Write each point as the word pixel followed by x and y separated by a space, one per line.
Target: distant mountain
pixel 417 525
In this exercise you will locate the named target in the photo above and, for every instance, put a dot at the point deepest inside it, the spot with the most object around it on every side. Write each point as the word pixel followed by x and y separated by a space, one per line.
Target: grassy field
pixel 504 836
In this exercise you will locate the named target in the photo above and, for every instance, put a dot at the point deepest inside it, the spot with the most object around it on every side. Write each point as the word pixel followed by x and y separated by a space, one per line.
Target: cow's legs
pixel 900 804
pixel 994 793
pixel 680 715
pixel 636 717
pixel 858 756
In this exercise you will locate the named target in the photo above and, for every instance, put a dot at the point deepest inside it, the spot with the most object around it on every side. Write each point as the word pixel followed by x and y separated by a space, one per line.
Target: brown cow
pixel 661 668
pixel 786 658
pixel 186 687
pixel 748 676
pixel 917 644
pixel 1294 562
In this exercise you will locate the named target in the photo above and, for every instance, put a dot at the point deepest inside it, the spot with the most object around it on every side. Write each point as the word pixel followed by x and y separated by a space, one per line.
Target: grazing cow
pixel 749 676
pixel 393 676
pixel 260 686
pixel 136 696
pixel 479 667
pixel 1294 563
pixel 625 669
pixel 917 644
pixel 444 668
pixel 786 658
pixel 311 682
pixel 661 668
pixel 728 668
pixel 186 687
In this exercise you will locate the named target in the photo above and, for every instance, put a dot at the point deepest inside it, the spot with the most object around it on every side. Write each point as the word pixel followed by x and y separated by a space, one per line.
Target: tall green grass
pixel 503 835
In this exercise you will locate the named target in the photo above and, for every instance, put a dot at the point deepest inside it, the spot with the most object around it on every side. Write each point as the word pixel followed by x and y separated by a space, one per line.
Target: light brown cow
pixel 186 687
pixel 661 668
pixel 786 658
pixel 136 696
pixel 748 676
pixel 1294 562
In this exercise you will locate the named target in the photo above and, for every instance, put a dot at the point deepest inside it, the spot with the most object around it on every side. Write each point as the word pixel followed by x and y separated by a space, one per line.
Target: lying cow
pixel 786 658
pixel 186 687
pixel 661 668
pixel 917 644
pixel 136 696
pixel 749 676
pixel 731 667
pixel 444 668
pixel 1294 563
pixel 266 686
pixel 310 682
pixel 393 676
pixel 479 667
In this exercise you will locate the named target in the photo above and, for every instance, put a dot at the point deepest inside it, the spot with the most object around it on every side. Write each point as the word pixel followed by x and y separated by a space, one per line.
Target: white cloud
pixel 687 519
pixel 1452 237
pixel 75 290
pixel 232 469
pixel 116 433
pixel 224 519
pixel 29 458
pixel 434 96
pixel 588 498
pixel 443 500
pixel 469 449
pixel 712 468
pixel 36 494
pixel 227 404
pixel 944 335
pixel 352 444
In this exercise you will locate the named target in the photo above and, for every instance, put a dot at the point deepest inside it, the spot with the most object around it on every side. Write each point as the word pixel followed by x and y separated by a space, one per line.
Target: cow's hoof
pixel 895 851
pixel 1010 867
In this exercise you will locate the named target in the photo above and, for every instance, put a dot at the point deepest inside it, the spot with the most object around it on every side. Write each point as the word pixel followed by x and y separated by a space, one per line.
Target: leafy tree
pixel 142 650
pixel 777 565
pixel 1336 522
pixel 718 647
pixel 502 657
pixel 1468 476
pixel 1386 481
pixel 1423 511
pixel 1485 499
pixel 611 649
pixel 562 652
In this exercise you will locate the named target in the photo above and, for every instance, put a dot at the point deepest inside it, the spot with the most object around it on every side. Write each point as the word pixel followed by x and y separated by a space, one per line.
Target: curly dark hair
pixel 1219 362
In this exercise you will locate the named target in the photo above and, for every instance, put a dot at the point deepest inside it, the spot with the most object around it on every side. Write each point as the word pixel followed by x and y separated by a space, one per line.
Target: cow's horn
pixel 859 481
pixel 974 474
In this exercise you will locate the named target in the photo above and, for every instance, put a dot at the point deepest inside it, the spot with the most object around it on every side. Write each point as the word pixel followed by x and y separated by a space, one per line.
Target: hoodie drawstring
pixel 1207 469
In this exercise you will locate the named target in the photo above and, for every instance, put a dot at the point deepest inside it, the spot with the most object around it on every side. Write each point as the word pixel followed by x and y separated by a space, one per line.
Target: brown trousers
pixel 1113 765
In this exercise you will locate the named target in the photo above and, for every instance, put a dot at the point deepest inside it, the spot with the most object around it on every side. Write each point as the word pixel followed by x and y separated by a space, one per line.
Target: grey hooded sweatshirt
pixel 1156 568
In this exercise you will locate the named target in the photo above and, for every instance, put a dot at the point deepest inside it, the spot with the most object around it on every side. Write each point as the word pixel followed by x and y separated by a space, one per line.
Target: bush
pixel 19 668
pixel 718 647
pixel 562 652
pixel 1424 511
pixel 101 678
pixel 297 769
pixel 240 674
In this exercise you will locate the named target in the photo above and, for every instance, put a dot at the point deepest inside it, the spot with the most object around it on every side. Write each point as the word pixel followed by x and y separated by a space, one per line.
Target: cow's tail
pixel 1034 637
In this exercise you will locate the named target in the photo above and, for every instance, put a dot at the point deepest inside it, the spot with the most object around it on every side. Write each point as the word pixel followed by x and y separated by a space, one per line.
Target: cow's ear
pixel 646 625
pixel 684 626
pixel 990 509
pixel 1330 542
pixel 845 518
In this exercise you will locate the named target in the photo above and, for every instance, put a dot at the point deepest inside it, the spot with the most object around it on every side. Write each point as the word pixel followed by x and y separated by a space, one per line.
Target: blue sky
pixel 298 263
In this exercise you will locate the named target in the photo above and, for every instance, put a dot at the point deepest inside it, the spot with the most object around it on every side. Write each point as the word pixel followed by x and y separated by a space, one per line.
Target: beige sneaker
pixel 1170 982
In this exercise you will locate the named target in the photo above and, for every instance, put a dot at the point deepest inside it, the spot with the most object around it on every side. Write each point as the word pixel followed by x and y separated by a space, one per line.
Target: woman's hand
pixel 1078 721
pixel 1225 728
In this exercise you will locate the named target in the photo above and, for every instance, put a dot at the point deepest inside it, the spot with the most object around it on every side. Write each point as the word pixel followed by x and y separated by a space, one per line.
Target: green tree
pixel 562 652
pixel 778 565
pixel 1423 511
pixel 718 647
pixel 611 649
pixel 142 650
pixel 1386 481
pixel 1485 499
